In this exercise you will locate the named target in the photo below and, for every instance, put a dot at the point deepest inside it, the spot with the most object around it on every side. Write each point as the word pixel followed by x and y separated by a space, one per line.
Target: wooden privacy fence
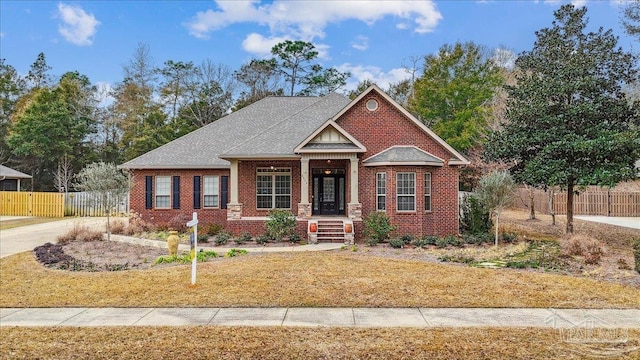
pixel 593 201
pixel 45 204
pixel 31 204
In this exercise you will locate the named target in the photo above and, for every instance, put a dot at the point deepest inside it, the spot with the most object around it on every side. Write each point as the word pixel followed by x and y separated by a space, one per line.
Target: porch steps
pixel 330 230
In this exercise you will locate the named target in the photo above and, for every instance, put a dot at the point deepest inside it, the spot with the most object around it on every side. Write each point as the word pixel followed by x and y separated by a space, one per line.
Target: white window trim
pixel 273 173
pixel 406 195
pixel 216 194
pixel 157 194
pixel 428 195
pixel 379 195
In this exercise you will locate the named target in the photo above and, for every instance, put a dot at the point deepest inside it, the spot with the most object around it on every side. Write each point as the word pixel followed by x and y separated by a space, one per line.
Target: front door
pixel 328 194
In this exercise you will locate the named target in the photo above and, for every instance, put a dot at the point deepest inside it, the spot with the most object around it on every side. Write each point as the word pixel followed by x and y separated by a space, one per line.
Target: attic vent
pixel 372 105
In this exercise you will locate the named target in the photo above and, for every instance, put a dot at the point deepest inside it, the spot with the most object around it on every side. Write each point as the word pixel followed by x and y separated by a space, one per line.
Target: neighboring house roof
pixel 403 155
pixel 7 172
pixel 274 127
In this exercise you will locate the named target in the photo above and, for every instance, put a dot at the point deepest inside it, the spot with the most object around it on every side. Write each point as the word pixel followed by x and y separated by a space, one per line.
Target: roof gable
pixel 330 137
pixel 456 157
pixel 403 155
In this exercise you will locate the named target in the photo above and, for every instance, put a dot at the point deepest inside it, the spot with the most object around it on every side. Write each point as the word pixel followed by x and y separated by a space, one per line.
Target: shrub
pixel 571 246
pixel 222 238
pixel 137 225
pixel 377 227
pixel 214 229
pixel 243 238
pixel 79 233
pixel 448 240
pixel 396 243
pixel 281 223
pixel 474 217
pixel 593 251
pixel 263 239
pixel 477 239
pixel 295 238
pixel 203 238
pixel 419 242
pixel 117 227
pixel 635 243
pixel 509 237
pixel 235 252
pixel 407 238
pixel 178 223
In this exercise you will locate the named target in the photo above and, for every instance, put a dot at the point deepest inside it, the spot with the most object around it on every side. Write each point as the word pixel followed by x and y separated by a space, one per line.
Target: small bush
pixel 449 240
pixel 635 243
pixel 294 238
pixel 137 225
pixel 477 239
pixel 419 242
pixel 79 233
pixel 281 223
pixel 222 238
pixel 474 217
pixel 377 227
pixel 117 227
pixel 179 223
pixel 407 238
pixel 571 246
pixel 235 252
pixel 263 239
pixel 509 237
pixel 203 238
pixel 593 251
pixel 396 243
pixel 214 229
pixel 243 238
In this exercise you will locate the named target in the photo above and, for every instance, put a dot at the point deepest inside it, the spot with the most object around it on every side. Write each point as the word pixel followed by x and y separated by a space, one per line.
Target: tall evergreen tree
pixel 570 123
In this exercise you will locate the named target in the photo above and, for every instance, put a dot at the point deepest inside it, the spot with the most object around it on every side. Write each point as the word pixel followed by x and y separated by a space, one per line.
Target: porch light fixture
pixel 327 171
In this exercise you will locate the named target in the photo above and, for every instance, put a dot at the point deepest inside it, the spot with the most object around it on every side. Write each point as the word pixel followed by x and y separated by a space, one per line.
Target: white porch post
pixel 304 207
pixel 354 179
pixel 233 177
pixel 304 180
pixel 234 209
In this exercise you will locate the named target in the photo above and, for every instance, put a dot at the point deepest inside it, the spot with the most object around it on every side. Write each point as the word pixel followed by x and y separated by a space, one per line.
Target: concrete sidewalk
pixel 331 317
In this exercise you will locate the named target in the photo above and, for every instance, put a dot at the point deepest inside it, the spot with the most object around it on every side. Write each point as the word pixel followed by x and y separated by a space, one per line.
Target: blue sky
pixel 371 39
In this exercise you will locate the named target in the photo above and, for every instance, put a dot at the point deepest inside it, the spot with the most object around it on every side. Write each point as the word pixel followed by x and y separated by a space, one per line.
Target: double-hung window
pixel 163 192
pixel 381 191
pixel 211 192
pixel 406 191
pixel 427 191
pixel 273 187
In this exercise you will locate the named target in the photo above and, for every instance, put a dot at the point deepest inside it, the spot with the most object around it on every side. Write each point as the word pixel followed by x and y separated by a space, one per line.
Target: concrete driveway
pixel 25 238
pixel 628 222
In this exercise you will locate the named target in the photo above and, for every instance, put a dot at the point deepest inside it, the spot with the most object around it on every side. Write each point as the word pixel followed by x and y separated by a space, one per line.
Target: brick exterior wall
pixel 376 130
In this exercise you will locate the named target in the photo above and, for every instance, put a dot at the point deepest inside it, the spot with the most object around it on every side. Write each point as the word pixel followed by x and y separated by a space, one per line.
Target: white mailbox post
pixel 194 246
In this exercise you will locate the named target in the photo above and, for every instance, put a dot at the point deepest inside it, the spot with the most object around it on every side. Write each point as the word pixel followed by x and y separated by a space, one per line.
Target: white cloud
pixel 372 73
pixel 361 43
pixel 77 26
pixel 261 46
pixel 579 3
pixel 306 20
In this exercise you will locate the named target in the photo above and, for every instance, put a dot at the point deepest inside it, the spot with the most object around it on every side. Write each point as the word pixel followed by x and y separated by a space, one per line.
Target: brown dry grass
pixel 298 343
pixel 342 279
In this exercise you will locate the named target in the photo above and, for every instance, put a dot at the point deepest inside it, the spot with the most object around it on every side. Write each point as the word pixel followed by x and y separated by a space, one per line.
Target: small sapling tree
pixel 495 191
pixel 108 185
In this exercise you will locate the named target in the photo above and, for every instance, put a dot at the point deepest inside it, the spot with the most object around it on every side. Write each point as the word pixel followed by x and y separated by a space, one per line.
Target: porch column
pixel 354 208
pixel 354 179
pixel 304 208
pixel 234 209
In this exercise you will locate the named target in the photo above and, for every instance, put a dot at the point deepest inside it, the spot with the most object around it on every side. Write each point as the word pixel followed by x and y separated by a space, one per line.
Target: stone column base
pixel 304 210
pixel 234 211
pixel 354 211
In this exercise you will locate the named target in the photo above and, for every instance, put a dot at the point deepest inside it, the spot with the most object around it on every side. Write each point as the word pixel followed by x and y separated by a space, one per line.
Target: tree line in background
pixel 562 114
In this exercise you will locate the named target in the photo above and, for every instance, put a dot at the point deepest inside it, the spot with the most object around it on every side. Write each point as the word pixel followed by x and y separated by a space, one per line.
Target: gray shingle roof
pixel 273 126
pixel 409 155
pixel 12 174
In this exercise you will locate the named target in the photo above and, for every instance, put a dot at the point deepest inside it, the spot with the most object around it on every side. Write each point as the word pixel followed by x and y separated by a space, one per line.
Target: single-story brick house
pixel 10 178
pixel 326 159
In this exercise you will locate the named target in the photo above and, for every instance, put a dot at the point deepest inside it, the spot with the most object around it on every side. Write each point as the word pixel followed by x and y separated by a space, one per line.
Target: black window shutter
pixel 176 192
pixel 148 192
pixel 196 192
pixel 224 191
